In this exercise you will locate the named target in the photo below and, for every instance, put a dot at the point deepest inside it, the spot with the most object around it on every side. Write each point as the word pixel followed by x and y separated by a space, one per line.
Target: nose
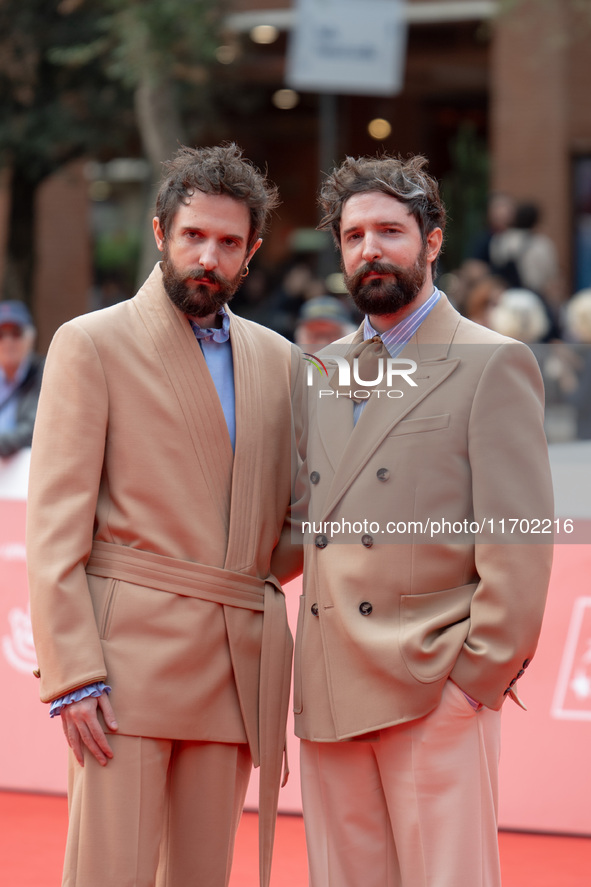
pixel 371 247
pixel 208 257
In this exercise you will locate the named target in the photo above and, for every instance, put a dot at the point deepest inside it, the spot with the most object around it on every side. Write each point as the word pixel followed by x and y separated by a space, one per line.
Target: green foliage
pixel 68 70
pixel 465 192
pixel 69 73
pixel 52 112
pixel 117 253
pixel 175 39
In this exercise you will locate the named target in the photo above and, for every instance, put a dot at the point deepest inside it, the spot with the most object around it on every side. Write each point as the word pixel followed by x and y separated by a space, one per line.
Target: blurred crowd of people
pixel 298 304
pixel 510 281
pixel 511 254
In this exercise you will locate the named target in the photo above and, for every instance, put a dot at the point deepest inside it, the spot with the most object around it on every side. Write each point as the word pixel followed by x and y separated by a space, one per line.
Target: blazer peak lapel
pixel 428 349
pixel 379 418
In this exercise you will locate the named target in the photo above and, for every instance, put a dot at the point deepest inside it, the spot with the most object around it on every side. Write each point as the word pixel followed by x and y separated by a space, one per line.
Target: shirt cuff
pixel 95 689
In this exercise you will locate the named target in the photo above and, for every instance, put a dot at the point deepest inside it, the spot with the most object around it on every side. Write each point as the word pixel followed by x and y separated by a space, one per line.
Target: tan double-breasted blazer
pixel 395 601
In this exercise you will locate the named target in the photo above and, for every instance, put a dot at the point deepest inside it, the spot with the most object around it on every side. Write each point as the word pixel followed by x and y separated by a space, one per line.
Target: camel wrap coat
pixel 392 610
pixel 149 541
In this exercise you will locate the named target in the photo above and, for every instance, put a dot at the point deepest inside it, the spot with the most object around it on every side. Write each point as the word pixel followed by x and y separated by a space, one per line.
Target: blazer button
pixel 383 474
pixel 314 609
pixel 520 673
pixel 526 662
pixel 321 541
pixel 314 477
pixel 365 608
pixel 367 540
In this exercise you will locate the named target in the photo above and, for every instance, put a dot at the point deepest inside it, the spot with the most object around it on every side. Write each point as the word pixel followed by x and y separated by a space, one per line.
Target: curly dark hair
pixel 404 179
pixel 218 170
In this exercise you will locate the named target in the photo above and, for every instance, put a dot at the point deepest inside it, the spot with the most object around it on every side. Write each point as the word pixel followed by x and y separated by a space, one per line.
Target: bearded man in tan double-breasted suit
pixel 427 560
pixel 158 534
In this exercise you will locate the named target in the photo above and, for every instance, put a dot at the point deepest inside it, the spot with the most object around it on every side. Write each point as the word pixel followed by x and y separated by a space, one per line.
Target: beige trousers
pixel 413 805
pixel 161 812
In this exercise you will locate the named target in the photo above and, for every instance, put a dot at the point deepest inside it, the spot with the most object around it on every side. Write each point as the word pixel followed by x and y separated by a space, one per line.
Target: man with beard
pixel 420 611
pixel 158 534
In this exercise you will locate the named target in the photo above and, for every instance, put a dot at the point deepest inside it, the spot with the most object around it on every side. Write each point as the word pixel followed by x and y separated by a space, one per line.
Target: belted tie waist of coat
pixel 232 590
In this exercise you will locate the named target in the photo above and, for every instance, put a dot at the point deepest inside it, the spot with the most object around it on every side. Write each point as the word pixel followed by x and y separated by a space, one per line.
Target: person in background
pixel 520 314
pixel 321 320
pixel 21 371
pixel 575 378
pixel 476 299
pixel 500 215
pixel 527 258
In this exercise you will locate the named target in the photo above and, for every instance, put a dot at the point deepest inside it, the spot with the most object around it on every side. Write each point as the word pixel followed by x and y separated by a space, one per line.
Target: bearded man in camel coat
pixel 158 535
pixel 429 546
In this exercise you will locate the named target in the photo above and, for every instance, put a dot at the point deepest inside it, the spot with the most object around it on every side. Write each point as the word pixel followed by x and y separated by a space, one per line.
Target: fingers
pixel 72 734
pixel 82 729
pixel 71 739
pixel 108 713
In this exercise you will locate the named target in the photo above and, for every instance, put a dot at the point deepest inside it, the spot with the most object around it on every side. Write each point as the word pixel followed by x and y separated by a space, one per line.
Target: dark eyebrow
pixel 200 230
pixel 383 224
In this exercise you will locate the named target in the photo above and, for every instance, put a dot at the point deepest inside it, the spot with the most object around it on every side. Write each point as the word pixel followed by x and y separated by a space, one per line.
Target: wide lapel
pixel 248 458
pixel 185 366
pixel 334 415
pixel 429 348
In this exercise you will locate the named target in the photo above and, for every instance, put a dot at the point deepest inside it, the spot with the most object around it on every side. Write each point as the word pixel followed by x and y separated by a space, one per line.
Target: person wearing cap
pixel 321 320
pixel 21 371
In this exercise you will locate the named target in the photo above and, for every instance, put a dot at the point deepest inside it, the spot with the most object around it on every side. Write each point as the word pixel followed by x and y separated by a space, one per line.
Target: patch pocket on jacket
pixel 433 628
pixel 425 423
pixel 108 608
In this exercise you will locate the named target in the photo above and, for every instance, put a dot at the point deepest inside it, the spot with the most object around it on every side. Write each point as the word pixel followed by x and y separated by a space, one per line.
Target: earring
pixel 245 272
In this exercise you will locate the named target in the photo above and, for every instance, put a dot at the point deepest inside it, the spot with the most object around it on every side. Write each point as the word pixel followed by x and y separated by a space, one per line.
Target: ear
pixel 253 251
pixel 158 233
pixel 434 242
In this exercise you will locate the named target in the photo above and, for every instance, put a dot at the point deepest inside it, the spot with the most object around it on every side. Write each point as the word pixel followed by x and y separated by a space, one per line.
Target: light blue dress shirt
pixel 217 351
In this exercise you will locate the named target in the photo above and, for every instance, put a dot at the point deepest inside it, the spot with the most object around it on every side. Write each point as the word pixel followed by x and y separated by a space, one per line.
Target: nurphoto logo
pixel 388 371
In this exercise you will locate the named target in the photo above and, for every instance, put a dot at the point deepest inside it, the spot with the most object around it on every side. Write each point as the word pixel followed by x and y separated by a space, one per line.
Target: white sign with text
pixel 343 46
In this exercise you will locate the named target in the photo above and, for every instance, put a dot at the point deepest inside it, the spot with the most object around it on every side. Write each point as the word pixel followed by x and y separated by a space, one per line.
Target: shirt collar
pixel 401 333
pixel 214 334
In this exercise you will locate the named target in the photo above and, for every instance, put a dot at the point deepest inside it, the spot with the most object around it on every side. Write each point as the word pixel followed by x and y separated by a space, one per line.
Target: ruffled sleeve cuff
pixel 95 689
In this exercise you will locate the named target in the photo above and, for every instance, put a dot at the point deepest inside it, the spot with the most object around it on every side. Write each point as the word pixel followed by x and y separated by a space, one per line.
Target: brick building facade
pixel 517 80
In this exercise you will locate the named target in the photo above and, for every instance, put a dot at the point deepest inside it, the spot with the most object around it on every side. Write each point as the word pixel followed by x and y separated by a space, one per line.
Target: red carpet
pixel 33 827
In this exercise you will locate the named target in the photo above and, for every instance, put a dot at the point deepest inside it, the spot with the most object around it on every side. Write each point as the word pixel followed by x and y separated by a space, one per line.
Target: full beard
pixel 381 296
pixel 199 300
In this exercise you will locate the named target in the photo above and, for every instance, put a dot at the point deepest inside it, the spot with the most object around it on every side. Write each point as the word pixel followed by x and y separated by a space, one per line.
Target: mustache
pixel 377 268
pixel 202 274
